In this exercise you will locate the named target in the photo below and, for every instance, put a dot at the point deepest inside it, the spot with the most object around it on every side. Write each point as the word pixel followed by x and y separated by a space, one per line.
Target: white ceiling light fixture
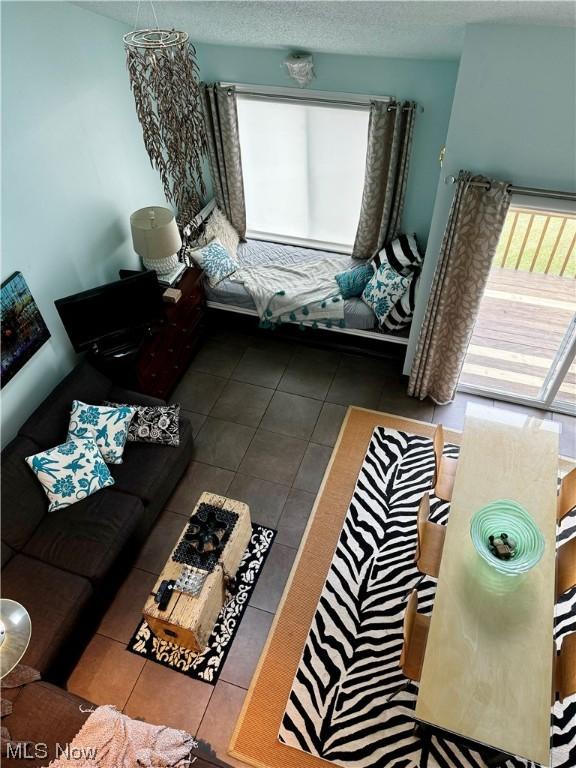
pixel 300 67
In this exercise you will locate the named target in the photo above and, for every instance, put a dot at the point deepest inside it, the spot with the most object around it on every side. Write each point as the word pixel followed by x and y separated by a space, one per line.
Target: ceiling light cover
pixel 300 67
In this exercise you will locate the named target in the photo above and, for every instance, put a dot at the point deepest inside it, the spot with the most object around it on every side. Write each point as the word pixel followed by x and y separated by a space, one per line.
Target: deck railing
pixel 538 241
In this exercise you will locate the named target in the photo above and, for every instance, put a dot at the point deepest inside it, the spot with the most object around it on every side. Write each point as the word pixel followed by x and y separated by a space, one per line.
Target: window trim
pixel 279 95
pixel 318 245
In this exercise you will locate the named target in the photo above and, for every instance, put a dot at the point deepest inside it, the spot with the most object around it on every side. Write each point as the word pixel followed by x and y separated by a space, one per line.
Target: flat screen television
pixel 103 316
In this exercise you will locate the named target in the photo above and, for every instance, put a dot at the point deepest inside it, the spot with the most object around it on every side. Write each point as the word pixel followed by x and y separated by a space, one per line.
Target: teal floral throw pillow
pixel 70 472
pixel 216 262
pixel 107 425
pixel 384 289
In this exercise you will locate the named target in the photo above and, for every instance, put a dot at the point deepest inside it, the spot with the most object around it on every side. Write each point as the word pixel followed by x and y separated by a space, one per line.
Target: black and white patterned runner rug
pixel 207 666
pixel 337 709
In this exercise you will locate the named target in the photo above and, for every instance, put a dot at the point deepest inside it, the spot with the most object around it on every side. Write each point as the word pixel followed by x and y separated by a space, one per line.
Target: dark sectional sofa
pixel 64 567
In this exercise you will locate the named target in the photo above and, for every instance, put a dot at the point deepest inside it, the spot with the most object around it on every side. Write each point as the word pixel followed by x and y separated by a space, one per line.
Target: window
pixel 303 167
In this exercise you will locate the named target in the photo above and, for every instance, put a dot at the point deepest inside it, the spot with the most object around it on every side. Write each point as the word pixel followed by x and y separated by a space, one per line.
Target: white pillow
pixel 216 262
pixel 70 472
pixel 219 228
pixel 108 425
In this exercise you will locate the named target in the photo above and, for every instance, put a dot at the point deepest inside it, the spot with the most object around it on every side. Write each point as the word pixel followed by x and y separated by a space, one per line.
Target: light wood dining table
pixel 488 668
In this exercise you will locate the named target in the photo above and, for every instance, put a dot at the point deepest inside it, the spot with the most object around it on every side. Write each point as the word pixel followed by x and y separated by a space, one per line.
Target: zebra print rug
pixel 337 709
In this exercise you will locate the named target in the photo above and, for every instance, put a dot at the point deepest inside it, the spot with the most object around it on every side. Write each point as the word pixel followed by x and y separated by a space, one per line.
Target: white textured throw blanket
pixel 297 286
pixel 109 739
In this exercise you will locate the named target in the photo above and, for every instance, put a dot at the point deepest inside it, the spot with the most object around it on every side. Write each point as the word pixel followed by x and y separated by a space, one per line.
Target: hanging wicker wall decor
pixel 164 80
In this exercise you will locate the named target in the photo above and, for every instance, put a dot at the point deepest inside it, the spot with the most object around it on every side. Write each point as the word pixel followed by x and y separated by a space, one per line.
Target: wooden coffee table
pixel 189 620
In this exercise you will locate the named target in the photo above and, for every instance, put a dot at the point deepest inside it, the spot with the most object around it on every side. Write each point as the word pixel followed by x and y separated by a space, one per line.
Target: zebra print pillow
pixel 402 254
pixel 401 313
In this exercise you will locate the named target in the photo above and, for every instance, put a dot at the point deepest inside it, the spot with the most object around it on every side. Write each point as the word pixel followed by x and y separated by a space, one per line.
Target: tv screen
pixel 111 310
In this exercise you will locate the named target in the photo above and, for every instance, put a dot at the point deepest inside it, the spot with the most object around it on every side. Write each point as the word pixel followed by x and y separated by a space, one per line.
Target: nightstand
pixel 165 356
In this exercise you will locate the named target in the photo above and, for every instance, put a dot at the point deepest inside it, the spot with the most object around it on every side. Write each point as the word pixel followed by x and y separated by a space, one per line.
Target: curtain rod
pixel 315 97
pixel 512 189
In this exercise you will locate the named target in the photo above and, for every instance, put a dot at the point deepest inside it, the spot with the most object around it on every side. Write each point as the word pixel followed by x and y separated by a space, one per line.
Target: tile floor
pixel 266 414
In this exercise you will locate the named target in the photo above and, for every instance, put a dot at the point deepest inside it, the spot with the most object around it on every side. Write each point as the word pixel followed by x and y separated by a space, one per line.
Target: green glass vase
pixel 507 516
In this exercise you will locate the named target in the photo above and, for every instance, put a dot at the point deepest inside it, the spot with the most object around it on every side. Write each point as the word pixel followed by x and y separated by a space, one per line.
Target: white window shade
pixel 303 168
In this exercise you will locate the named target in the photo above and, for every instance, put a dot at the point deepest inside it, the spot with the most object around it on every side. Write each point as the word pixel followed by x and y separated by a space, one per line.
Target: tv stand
pixel 154 360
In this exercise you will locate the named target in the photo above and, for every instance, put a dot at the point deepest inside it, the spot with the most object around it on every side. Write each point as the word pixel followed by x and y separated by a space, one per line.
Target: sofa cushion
pixel 24 503
pixel 87 538
pixel 45 715
pixel 48 425
pixel 7 554
pixel 53 598
pixel 150 471
pixel 121 395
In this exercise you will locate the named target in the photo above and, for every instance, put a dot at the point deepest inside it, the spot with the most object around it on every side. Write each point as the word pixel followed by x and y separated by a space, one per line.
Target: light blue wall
pixel 430 83
pixel 513 118
pixel 74 168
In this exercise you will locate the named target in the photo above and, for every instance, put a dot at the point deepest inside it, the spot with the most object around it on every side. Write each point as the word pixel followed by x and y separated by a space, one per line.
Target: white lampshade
pixel 156 237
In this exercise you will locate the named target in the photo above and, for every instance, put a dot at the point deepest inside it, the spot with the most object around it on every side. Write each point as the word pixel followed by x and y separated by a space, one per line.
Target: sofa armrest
pixel 46 716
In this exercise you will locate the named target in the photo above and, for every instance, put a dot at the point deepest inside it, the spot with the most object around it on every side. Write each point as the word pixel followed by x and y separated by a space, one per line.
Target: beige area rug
pixel 255 740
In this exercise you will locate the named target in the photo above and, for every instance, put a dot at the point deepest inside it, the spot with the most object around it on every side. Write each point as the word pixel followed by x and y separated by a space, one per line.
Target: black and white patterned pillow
pixel 402 254
pixel 154 424
pixel 401 313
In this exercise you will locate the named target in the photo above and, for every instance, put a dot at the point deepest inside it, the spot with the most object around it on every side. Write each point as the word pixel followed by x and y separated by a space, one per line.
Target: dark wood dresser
pixel 166 355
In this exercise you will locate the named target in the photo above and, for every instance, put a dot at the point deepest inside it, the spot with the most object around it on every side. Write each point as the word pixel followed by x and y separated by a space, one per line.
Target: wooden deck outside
pixel 522 321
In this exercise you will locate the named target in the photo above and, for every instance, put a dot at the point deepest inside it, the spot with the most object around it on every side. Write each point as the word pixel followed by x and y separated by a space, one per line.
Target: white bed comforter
pixel 294 285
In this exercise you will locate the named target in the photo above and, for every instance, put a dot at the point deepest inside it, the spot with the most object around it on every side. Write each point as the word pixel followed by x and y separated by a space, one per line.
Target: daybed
pixel 231 295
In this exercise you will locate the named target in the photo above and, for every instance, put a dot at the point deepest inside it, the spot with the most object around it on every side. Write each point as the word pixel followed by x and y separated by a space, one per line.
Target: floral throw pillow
pixel 106 424
pixel 216 262
pixel 384 289
pixel 154 424
pixel 70 472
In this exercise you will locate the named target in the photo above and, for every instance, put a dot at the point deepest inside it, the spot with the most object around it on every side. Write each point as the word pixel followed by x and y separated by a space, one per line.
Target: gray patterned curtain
pixel 221 120
pixel 389 142
pixel 474 226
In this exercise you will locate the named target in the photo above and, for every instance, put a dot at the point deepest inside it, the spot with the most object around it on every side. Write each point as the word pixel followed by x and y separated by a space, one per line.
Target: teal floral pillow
pixel 353 282
pixel 216 262
pixel 70 472
pixel 384 289
pixel 107 425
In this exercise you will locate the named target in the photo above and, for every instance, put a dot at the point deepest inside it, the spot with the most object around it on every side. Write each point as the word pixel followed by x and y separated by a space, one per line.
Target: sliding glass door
pixel 524 342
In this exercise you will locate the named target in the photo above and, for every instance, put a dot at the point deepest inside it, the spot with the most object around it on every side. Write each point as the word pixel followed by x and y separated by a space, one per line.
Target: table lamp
pixel 15 631
pixel 156 238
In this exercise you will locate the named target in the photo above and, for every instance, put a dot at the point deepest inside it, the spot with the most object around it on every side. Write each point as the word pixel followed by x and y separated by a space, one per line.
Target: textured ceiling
pixel 409 29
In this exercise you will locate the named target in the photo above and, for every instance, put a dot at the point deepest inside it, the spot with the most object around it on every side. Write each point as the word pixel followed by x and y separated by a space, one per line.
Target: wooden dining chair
pixel 567 495
pixel 414 644
pixel 416 627
pixel 430 541
pixel 565 567
pixel 565 668
pixel 445 467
